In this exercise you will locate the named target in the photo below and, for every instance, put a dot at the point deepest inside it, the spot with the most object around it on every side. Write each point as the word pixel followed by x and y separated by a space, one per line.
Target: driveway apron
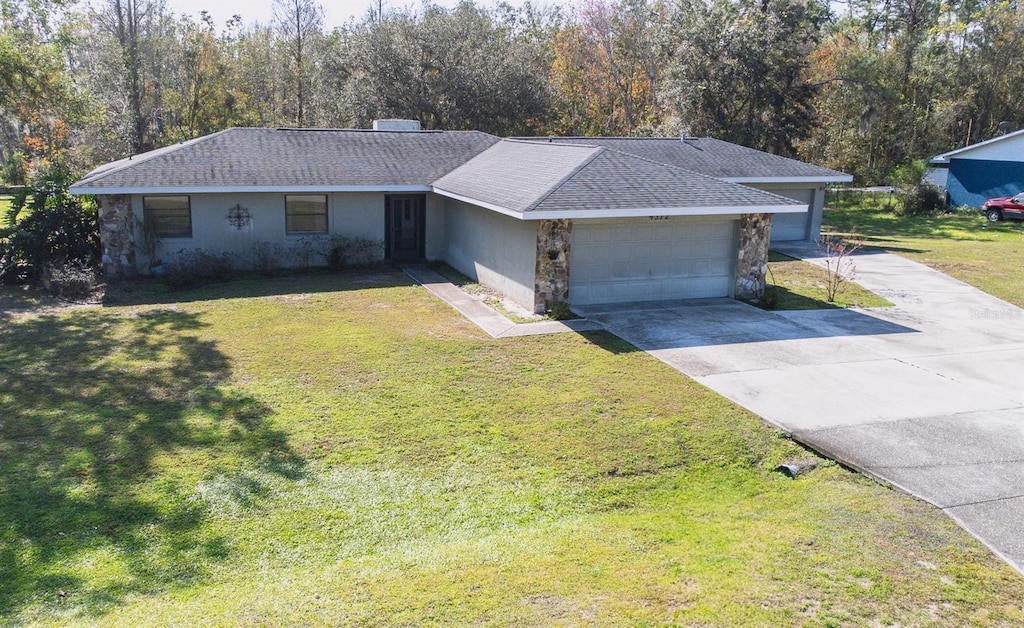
pixel 927 395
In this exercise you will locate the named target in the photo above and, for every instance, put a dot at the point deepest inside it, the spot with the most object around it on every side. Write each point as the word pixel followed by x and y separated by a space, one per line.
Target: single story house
pixel 540 220
pixel 988 169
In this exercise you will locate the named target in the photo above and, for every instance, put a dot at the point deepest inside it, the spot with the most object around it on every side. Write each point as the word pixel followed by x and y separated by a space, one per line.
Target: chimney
pixel 396 125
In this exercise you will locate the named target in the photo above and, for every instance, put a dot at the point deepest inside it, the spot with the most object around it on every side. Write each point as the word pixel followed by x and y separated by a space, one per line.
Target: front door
pixel 405 222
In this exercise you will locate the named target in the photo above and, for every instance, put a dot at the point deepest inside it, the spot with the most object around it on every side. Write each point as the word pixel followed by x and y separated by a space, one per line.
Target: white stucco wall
pixel 348 214
pixel 1009 149
pixel 494 250
pixel 435 227
pixel 802 226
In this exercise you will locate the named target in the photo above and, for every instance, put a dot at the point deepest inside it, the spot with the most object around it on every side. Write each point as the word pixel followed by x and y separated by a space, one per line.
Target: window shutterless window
pixel 168 216
pixel 305 213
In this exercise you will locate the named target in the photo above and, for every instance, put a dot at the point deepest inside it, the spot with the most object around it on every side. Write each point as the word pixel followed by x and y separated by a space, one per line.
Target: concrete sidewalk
pixel 484 316
pixel 927 396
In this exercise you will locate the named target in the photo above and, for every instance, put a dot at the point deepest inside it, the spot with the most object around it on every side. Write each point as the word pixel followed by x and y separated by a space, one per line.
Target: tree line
pixel 865 86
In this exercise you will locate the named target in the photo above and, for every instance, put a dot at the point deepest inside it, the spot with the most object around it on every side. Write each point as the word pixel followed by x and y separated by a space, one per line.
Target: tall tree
pixel 606 68
pixel 300 26
pixel 738 72
pixel 450 69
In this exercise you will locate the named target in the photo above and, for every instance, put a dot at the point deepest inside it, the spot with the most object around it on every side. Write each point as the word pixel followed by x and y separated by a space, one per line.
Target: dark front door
pixel 405 220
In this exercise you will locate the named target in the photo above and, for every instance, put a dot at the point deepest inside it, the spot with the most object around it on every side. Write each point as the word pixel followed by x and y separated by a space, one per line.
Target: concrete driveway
pixel 927 395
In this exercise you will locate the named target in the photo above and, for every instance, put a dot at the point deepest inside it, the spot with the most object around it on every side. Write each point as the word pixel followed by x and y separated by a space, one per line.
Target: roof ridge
pixel 127 162
pixel 598 150
pixel 764 152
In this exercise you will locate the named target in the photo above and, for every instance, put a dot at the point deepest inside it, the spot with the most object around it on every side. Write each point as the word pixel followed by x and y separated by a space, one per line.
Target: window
pixel 305 213
pixel 168 216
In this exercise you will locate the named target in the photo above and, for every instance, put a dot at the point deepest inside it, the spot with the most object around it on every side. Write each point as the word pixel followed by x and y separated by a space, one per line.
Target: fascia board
pixel 293 189
pixel 834 179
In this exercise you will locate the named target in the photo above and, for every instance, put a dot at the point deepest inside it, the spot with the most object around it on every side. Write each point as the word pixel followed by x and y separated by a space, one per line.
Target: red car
pixel 1007 208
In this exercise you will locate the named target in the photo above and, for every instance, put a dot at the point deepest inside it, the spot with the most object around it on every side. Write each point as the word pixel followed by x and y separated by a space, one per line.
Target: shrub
pixel 560 311
pixel 48 228
pixel 190 268
pixel 922 200
pixel 839 267
pixel 265 257
pixel 72 282
pixel 353 252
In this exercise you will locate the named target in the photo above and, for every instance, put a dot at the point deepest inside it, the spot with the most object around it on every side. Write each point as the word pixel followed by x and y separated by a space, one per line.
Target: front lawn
pixel 989 256
pixel 5 206
pixel 798 285
pixel 339 449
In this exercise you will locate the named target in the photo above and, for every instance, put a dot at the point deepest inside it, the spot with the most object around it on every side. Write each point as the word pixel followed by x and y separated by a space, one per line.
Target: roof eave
pixel 836 178
pixel 642 212
pixel 241 189
pixel 944 157
pixel 627 212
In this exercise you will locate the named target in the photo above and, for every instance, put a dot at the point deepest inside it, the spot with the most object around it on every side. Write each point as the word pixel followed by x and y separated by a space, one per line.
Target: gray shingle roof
pixel 526 176
pixel 709 156
pixel 293 158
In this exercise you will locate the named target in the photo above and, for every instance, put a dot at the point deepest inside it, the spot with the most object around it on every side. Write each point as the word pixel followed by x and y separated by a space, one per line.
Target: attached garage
pixel 798 226
pixel 652 259
pixel 799 181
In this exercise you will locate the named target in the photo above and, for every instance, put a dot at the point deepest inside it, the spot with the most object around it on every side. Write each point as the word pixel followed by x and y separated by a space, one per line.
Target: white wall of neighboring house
pixel 493 249
pixel 1002 148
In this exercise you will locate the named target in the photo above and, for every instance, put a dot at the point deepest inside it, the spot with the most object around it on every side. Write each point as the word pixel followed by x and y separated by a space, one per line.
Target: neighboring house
pixel 542 221
pixel 738 164
pixel 985 170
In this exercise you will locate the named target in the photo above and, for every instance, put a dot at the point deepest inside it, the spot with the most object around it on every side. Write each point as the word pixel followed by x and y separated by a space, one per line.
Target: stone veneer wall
pixel 551 280
pixel 117 235
pixel 752 261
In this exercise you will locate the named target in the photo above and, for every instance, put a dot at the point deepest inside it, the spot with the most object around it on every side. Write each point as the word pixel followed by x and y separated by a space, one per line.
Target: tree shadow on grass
pixel 97 411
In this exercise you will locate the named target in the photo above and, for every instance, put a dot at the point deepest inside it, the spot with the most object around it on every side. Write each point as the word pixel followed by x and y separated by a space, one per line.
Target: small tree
pixel 48 228
pixel 839 266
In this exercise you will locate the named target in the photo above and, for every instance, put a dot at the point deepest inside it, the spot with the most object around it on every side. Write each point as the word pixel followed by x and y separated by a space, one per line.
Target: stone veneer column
pixel 752 260
pixel 551 279
pixel 117 235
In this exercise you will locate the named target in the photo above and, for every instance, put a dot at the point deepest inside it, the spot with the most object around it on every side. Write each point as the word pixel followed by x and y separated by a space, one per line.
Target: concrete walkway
pixel 927 396
pixel 484 316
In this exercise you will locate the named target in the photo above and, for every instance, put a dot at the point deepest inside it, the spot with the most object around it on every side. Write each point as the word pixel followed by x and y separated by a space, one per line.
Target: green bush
pixel 560 311
pixel 48 228
pixel 353 252
pixel 189 268
pixel 72 282
pixel 922 200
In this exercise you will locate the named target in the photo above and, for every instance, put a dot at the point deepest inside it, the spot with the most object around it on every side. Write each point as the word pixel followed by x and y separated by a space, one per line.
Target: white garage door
pixel 640 259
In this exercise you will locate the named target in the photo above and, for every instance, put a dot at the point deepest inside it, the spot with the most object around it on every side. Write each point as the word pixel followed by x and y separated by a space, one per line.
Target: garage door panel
pixel 639 260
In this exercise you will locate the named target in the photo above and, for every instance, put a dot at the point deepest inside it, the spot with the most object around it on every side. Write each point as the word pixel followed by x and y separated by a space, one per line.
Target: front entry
pixel 405 221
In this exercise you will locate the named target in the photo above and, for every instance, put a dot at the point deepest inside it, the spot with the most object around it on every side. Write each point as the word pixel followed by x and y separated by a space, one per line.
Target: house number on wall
pixel 659 218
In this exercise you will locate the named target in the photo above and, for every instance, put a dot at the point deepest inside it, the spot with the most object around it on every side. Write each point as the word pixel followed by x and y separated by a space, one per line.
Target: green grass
pixel 801 286
pixel 989 256
pixel 5 206
pixel 345 449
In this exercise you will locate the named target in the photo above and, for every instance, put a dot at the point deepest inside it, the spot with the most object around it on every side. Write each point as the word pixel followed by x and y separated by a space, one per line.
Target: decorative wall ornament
pixel 239 217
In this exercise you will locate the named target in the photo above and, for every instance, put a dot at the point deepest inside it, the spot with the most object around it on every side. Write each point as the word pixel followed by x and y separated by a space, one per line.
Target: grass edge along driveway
pixel 988 256
pixel 344 449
